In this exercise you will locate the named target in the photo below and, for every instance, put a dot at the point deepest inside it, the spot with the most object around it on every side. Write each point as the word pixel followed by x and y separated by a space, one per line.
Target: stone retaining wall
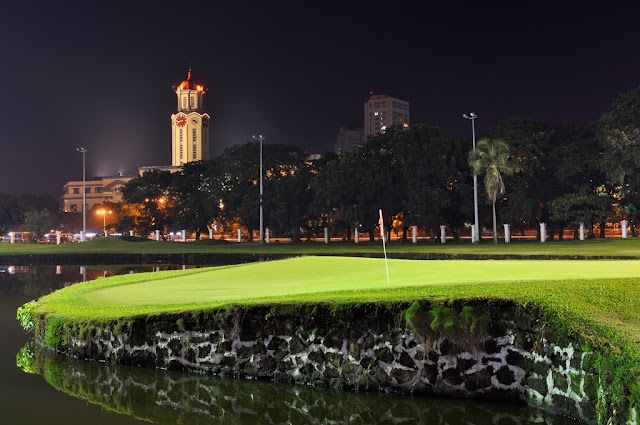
pixel 500 352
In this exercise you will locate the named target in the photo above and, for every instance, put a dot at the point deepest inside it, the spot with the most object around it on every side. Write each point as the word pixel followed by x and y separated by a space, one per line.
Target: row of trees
pixel 561 174
pixel 558 173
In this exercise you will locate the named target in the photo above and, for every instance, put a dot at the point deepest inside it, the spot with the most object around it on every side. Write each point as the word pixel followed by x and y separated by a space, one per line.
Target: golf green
pixel 307 275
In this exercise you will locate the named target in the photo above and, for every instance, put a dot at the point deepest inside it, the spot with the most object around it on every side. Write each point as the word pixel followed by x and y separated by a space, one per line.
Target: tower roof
pixel 189 85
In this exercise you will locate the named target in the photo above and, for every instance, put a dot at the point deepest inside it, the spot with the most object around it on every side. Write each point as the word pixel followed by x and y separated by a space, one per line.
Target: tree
pixel 619 135
pixel 529 192
pixel 491 158
pixel 240 179
pixel 426 161
pixel 584 206
pixel 194 196
pixel 149 191
pixel 39 223
pixel 351 190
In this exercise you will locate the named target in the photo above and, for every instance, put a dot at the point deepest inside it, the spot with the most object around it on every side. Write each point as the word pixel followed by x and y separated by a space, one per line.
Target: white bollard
pixel 58 237
pixel 210 233
pixel 543 232
pixel 625 231
pixel 239 235
pixel 268 235
pixel 326 235
pixel 357 236
pixel 184 235
pixel 443 234
pixel 581 231
pixel 58 269
pixel 157 235
pixel 473 233
pixel 507 233
pixel 414 234
pixel 130 232
pixel 12 237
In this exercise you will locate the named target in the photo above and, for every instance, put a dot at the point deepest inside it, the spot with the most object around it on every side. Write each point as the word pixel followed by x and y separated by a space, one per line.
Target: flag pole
pixel 384 246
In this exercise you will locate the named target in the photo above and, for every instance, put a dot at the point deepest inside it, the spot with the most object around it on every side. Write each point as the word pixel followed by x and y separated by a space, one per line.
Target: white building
pixel 382 112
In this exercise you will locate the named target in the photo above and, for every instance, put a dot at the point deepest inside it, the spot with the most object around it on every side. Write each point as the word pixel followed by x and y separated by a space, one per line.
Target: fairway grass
pixel 603 291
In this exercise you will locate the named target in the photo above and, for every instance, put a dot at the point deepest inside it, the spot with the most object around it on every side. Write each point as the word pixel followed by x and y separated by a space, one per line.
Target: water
pixel 68 391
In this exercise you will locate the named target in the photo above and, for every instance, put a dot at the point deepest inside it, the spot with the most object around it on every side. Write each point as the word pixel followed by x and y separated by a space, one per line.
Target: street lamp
pixel 104 213
pixel 260 138
pixel 84 194
pixel 476 237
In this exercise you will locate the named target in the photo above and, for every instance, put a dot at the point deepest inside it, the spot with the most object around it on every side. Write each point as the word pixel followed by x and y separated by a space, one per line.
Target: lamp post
pixel 476 225
pixel 260 138
pixel 104 213
pixel 84 194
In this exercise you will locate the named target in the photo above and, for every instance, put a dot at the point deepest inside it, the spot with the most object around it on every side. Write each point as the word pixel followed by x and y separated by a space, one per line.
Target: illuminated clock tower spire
pixel 190 125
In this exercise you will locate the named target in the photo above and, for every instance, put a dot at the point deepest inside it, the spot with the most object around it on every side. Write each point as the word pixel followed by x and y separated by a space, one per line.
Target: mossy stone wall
pixel 497 350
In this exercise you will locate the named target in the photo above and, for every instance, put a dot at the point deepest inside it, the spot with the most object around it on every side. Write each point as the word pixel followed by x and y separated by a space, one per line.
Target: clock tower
pixel 190 125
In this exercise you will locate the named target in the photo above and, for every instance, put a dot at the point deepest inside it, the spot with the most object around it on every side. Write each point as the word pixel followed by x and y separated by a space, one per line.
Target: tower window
pixel 184 102
pixel 195 140
pixel 193 101
pixel 180 139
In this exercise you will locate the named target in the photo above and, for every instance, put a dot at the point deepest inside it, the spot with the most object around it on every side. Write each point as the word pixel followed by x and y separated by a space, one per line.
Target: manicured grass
pixel 603 291
pixel 113 245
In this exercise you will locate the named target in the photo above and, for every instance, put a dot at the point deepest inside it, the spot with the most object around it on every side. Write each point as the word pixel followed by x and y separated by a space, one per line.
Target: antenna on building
pixel 189 73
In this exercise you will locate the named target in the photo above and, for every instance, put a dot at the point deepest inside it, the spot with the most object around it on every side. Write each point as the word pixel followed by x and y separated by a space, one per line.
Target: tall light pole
pixel 476 225
pixel 260 138
pixel 104 213
pixel 84 194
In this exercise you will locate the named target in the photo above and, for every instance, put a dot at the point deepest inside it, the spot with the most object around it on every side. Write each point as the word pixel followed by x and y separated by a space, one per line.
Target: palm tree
pixel 492 158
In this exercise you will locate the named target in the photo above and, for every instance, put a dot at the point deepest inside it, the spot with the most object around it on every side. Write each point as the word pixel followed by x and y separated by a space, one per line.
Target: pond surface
pixel 54 389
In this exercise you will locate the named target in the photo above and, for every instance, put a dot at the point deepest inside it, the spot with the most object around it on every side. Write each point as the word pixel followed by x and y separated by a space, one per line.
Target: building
pixel 189 141
pixel 350 140
pixel 382 112
pixel 99 190
pixel 190 125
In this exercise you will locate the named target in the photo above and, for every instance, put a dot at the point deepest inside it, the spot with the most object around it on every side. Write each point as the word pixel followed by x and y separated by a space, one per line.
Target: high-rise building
pixel 350 140
pixel 190 125
pixel 382 112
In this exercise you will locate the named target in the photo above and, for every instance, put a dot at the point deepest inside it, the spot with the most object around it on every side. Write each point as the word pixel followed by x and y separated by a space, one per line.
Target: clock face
pixel 194 120
pixel 181 120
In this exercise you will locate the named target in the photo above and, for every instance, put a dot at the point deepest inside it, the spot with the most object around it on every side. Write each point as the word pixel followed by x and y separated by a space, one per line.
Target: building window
pixel 181 145
pixel 193 101
pixel 184 102
pixel 76 190
pixel 194 137
pixel 87 190
pixel 74 207
pixel 99 190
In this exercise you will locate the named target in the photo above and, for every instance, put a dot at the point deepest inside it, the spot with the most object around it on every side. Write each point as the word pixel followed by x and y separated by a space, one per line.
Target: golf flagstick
pixel 384 247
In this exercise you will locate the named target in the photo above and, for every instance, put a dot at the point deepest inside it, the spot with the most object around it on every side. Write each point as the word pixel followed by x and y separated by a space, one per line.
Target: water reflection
pixel 165 397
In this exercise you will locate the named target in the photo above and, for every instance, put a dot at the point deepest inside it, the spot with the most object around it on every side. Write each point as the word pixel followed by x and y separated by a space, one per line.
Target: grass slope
pixel 602 291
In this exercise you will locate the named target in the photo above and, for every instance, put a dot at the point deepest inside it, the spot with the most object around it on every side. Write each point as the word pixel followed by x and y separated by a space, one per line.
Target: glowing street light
pixel 104 213
pixel 84 194
pixel 476 237
pixel 260 138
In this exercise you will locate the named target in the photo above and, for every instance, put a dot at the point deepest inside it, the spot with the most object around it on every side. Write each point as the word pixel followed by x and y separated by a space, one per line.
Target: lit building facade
pixel 382 112
pixel 99 190
pixel 189 125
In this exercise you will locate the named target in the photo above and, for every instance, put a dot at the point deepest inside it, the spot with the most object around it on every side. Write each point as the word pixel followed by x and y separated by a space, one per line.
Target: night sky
pixel 100 74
